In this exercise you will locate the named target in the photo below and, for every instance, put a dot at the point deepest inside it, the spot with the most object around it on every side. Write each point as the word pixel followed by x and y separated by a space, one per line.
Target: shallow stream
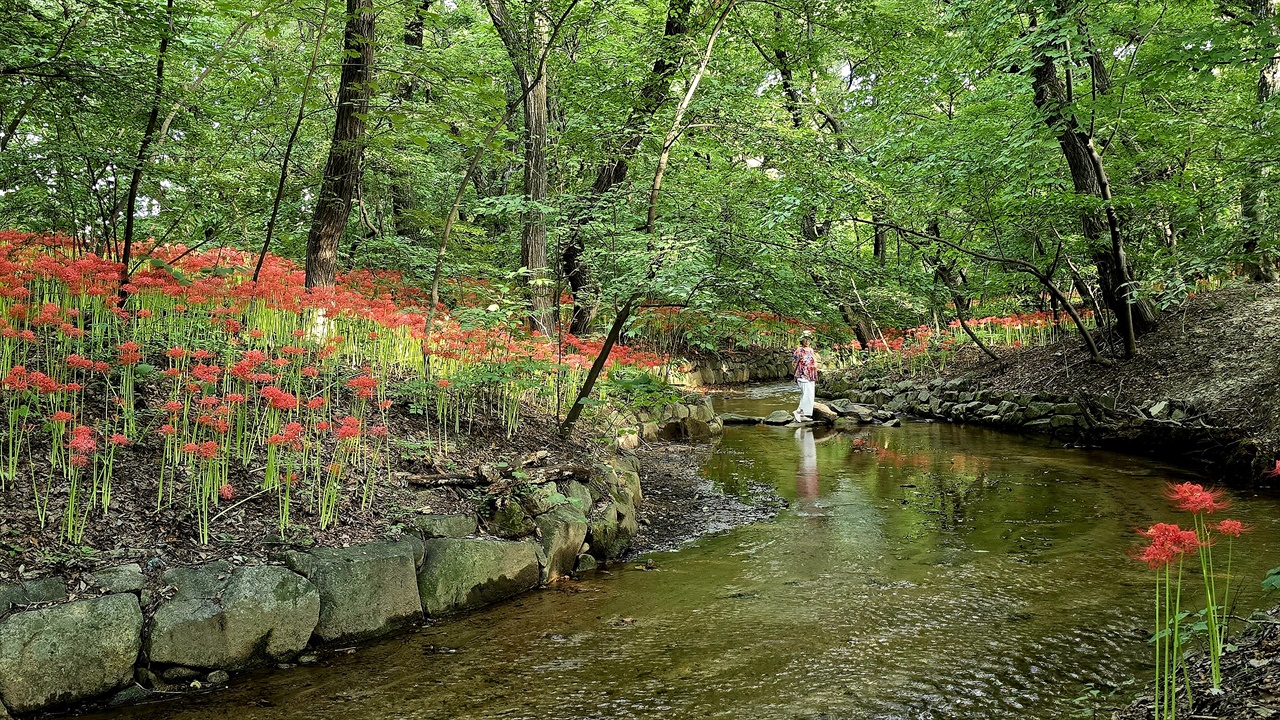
pixel 926 571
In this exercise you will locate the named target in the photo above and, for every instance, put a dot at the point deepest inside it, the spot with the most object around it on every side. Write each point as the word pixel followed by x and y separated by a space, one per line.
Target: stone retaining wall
pixel 694 419
pixel 759 366
pixel 1167 424
pixel 133 632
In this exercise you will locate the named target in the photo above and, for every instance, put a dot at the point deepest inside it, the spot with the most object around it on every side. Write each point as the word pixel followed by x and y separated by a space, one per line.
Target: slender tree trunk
pixel 655 264
pixel 879 238
pixel 288 148
pixel 677 128
pixel 527 52
pixel 403 200
pixel 12 127
pixel 148 136
pixel 346 151
pixel 613 172
pixel 1252 194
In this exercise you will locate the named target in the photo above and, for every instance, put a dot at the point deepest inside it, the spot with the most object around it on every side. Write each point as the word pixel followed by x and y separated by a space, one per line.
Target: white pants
pixel 806 397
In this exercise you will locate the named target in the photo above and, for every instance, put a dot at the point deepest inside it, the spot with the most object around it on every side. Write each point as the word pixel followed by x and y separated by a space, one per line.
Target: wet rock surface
pixel 365 591
pixel 61 654
pixel 461 573
pixel 232 618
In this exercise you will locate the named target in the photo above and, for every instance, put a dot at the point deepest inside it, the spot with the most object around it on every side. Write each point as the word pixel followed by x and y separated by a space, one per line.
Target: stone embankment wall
pixel 128 631
pixel 748 367
pixel 694 419
pixel 1156 424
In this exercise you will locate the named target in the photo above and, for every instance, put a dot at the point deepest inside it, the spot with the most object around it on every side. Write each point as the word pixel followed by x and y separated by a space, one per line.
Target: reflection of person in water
pixel 807 473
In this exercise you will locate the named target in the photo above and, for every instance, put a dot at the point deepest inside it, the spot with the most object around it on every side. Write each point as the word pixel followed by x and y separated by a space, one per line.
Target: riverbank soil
pixel 1217 354
pixel 479 468
pixel 1250 680
pixel 680 503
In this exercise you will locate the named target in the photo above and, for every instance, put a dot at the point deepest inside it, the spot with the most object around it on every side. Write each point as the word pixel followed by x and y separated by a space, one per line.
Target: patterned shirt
pixel 806 364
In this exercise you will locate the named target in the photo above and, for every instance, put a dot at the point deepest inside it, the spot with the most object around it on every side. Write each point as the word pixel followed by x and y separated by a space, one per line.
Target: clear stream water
pixel 927 571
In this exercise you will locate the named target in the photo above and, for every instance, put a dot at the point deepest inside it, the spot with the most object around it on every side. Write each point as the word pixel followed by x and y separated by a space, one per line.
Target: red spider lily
pixel 1195 499
pixel 190 448
pixel 363 382
pixel 129 354
pixel 1275 471
pixel 1233 528
pixel 60 417
pixel 173 406
pixel 206 373
pixel 1168 543
pixel 17 379
pixel 82 441
pixel 209 450
pixel 278 399
pixel 168 429
pixel 119 440
pixel 226 492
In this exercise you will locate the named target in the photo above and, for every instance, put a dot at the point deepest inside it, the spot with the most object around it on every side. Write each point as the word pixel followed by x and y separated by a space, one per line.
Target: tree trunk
pixel 527 53
pixel 1253 195
pixel 288 148
pixel 613 172
pixel 1133 316
pixel 148 136
pixel 655 264
pixel 403 200
pixel 346 151
pixel 533 239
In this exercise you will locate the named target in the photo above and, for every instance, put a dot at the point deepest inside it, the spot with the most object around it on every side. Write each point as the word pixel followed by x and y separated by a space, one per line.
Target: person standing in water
pixel 805 373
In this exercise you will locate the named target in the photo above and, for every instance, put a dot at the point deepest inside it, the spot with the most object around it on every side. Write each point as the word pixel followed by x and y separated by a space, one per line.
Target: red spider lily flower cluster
pixel 1168 543
pixel 216 367
pixel 1195 499
pixel 1231 528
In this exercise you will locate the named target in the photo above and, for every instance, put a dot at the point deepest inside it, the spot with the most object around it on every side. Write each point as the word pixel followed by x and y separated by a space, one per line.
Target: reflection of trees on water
pixel 949 496
pixel 944 487
pixel 729 473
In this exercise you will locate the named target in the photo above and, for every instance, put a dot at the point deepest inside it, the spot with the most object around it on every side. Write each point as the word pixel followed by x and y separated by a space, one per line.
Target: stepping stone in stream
pixel 779 417
pixel 736 419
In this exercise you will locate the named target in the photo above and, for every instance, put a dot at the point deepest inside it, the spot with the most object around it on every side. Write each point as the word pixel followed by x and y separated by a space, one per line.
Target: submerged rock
pixel 69 652
pixel 735 419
